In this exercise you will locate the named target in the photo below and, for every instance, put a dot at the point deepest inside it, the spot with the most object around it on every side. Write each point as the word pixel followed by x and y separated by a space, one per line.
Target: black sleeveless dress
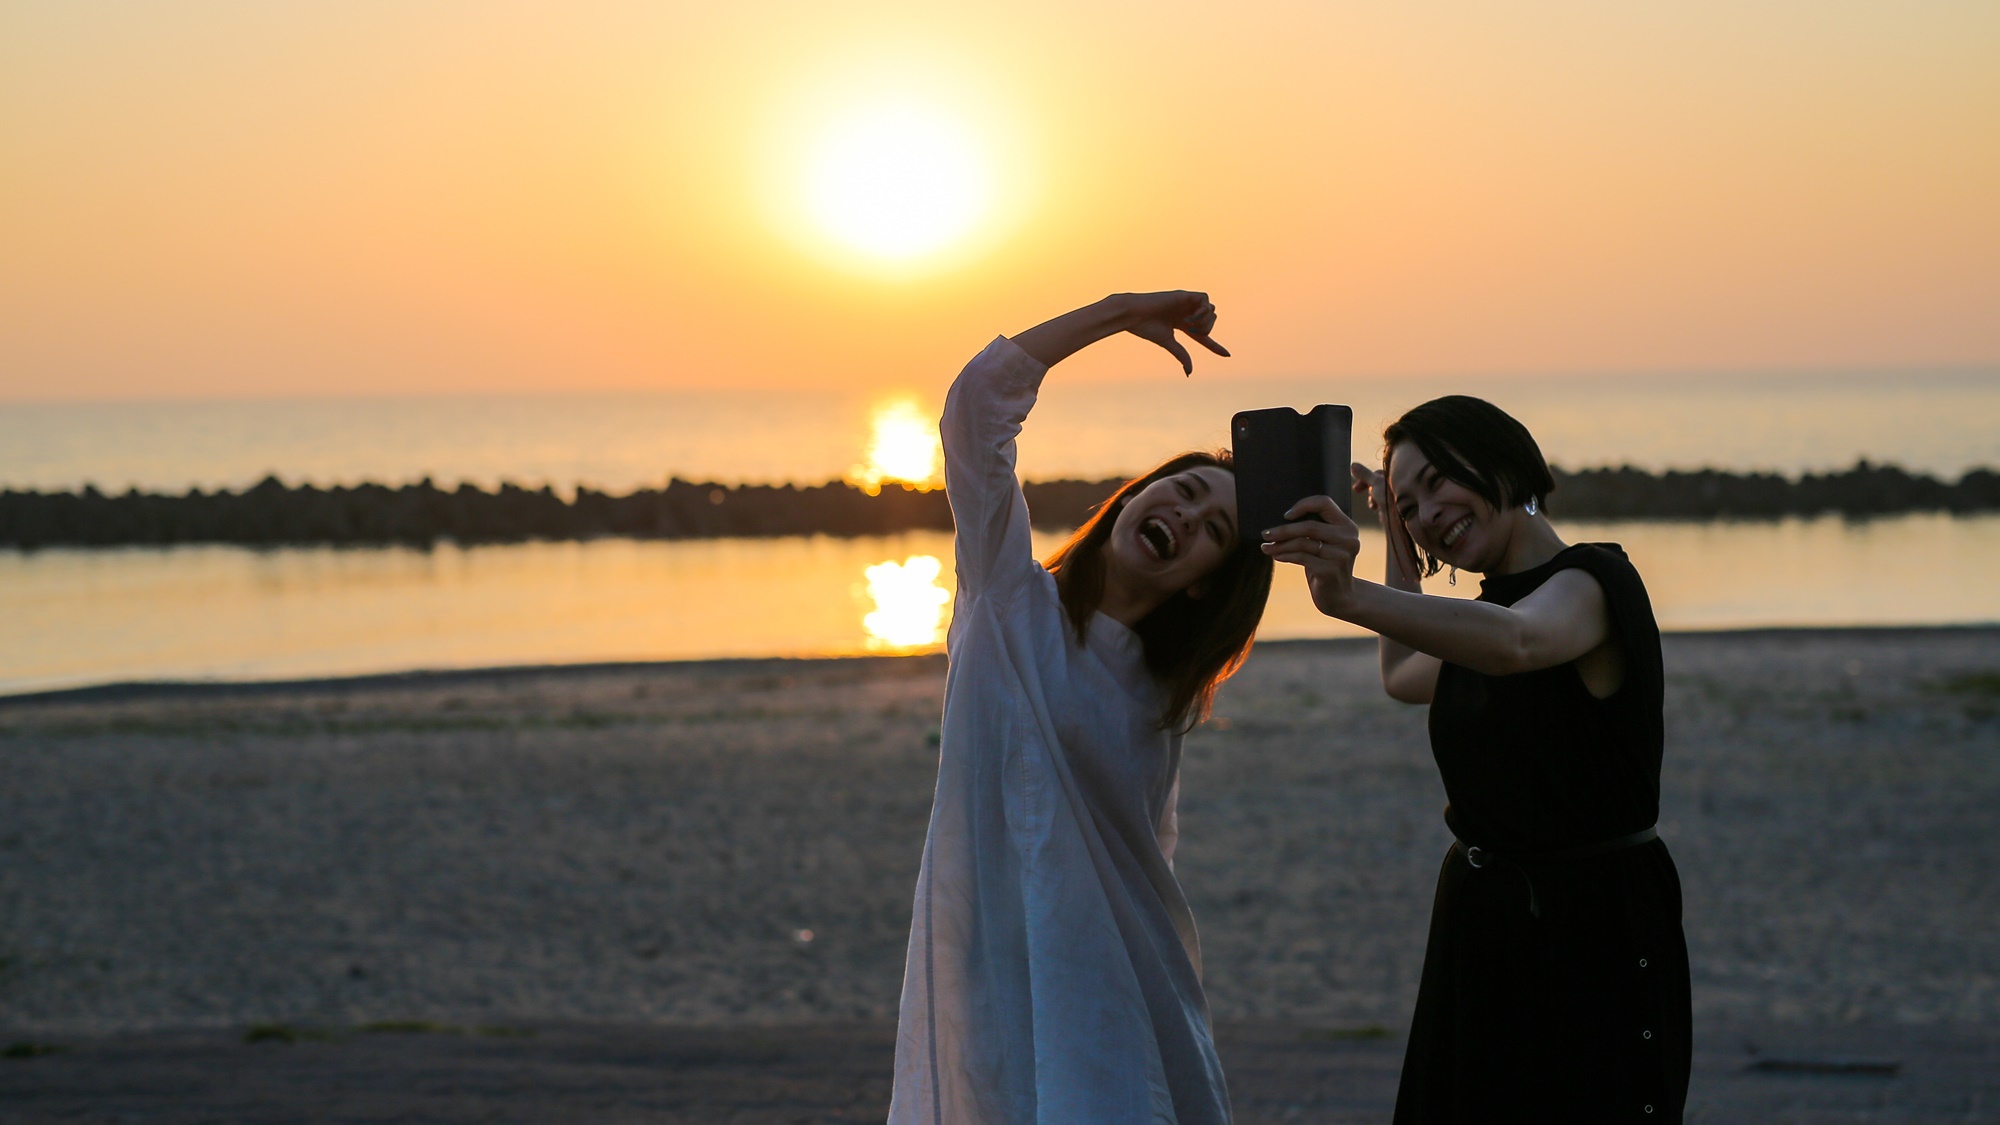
pixel 1555 982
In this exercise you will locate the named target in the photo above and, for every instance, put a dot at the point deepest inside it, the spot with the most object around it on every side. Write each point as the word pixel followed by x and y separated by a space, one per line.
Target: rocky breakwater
pixel 273 513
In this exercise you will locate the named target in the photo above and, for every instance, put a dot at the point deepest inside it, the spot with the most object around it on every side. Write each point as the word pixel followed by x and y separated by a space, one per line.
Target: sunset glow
pixel 902 448
pixel 897 181
pixel 207 199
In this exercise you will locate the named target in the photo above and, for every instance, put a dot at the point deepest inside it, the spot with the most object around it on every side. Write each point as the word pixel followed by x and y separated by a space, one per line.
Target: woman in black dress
pixel 1555 982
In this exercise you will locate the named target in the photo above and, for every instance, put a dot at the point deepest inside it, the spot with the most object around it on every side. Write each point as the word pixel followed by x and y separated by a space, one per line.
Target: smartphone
pixel 1283 456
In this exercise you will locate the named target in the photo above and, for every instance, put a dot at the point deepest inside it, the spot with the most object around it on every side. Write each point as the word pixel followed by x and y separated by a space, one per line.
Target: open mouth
pixel 1159 538
pixel 1455 532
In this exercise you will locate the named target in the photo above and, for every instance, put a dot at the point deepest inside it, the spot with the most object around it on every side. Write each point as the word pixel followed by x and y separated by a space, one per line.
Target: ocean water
pixel 1939 422
pixel 75 617
pixel 208 612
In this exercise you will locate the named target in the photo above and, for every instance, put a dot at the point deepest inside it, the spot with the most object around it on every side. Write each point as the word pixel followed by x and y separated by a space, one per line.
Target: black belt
pixel 1481 858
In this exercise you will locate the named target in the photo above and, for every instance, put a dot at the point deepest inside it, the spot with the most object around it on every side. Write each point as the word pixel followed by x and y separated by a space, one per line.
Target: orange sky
pixel 204 198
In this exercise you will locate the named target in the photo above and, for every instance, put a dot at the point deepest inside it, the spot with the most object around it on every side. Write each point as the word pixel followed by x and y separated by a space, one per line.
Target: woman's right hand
pixel 1402 549
pixel 1156 316
pixel 1325 543
pixel 1153 317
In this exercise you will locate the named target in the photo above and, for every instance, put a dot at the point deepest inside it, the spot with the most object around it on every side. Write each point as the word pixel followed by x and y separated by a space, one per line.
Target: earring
pixel 1452 578
pixel 1534 506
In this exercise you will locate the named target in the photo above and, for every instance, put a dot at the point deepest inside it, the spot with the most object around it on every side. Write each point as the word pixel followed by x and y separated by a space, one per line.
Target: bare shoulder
pixel 1566 618
pixel 1570 590
pixel 1577 598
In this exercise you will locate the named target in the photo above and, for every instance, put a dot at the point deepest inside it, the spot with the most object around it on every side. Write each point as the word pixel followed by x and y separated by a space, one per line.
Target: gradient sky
pixel 309 198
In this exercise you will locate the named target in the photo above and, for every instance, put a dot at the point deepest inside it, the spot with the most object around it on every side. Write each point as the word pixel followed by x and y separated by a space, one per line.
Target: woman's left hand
pixel 1326 547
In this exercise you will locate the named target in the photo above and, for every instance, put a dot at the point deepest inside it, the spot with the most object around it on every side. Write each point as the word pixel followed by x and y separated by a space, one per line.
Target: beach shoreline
pixel 126 690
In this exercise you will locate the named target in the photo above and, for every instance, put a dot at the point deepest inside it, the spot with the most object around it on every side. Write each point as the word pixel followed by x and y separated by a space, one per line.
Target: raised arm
pixel 991 398
pixel 1564 619
pixel 1149 316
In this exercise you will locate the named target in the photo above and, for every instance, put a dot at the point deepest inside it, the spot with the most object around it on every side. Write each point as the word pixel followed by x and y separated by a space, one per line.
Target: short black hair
pixel 1476 444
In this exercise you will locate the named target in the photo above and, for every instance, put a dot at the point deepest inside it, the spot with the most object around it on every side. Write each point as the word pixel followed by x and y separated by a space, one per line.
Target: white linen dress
pixel 1054 975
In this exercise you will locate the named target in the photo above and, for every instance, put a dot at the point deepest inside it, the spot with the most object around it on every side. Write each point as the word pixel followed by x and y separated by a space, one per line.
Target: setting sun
pixel 902 446
pixel 897 181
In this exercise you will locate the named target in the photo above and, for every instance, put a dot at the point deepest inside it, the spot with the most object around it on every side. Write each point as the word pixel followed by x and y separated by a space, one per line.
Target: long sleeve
pixel 982 416
pixel 1051 975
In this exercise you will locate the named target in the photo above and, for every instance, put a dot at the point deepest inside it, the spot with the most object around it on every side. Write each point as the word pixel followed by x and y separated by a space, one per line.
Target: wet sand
pixel 627 861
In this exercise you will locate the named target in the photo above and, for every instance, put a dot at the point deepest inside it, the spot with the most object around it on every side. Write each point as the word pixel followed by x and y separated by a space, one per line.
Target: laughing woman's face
pixel 1177 530
pixel 1452 523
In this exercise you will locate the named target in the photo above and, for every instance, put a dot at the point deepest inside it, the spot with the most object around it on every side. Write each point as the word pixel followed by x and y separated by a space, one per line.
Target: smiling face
pixel 1451 522
pixel 1175 531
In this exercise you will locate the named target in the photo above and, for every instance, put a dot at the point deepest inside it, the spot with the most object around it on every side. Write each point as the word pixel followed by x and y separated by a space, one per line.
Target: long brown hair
pixel 1191 644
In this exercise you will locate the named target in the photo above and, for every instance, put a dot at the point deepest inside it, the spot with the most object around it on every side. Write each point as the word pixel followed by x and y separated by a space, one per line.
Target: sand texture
pixel 840 1073
pixel 646 846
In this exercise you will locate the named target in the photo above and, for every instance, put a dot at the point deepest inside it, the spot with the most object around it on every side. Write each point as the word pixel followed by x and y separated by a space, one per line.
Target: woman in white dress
pixel 1054 975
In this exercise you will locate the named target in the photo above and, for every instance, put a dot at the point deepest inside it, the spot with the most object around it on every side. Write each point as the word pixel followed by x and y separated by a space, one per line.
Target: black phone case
pixel 1283 456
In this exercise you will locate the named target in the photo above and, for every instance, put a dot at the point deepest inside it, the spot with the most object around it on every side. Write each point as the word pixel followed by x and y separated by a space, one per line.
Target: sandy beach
pixel 518 872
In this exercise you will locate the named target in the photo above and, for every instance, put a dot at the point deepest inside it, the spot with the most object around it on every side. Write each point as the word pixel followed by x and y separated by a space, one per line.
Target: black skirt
pixel 1579 1015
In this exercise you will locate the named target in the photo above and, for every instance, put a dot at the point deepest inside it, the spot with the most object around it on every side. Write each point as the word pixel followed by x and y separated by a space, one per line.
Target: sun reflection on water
pixel 909 603
pixel 902 446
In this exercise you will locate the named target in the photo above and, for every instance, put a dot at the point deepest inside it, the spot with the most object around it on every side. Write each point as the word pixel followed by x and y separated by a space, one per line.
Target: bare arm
pixel 1149 316
pixel 1561 621
pixel 1556 624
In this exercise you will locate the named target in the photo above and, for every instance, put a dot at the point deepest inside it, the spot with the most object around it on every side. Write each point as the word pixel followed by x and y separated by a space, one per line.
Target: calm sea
pixel 1941 422
pixel 79 617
